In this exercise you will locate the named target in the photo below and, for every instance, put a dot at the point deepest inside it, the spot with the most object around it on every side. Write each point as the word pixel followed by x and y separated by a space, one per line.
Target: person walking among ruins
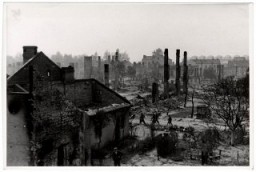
pixel 117 155
pixel 155 118
pixel 142 118
pixel 169 120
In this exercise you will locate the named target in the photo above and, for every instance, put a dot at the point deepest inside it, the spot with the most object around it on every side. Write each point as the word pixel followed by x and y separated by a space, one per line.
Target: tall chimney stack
pixel 185 73
pixel 28 53
pixel 106 74
pixel 100 78
pixel 166 74
pixel 87 67
pixel 116 74
pixel 177 84
pixel 99 62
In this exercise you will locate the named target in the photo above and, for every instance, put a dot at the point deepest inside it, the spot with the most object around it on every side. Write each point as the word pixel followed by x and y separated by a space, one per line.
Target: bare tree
pixel 228 101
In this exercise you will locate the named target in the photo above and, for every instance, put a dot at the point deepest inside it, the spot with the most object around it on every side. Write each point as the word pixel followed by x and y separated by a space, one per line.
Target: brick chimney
pixel 166 73
pixel 177 83
pixel 100 78
pixel 28 53
pixel 87 67
pixel 185 73
pixel 106 74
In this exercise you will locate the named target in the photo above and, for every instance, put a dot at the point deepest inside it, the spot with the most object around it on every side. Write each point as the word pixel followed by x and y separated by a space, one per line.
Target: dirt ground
pixel 230 155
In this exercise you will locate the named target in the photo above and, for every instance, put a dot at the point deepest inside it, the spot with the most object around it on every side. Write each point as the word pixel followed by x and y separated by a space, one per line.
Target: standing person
pixel 169 120
pixel 142 117
pixel 153 119
pixel 117 157
pixel 156 117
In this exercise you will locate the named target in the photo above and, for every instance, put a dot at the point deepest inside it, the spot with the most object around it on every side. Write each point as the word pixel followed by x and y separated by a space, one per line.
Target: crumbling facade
pixel 152 68
pixel 65 133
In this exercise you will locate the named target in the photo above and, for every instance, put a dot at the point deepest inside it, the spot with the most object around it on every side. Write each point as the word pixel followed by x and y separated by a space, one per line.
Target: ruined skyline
pixel 86 28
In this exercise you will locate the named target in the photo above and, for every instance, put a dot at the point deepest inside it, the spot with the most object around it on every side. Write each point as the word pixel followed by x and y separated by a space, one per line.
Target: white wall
pixel 17 137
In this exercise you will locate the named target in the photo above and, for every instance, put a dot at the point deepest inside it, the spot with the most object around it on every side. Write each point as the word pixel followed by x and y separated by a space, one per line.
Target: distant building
pixel 13 67
pixel 224 60
pixel 203 64
pixel 152 67
pixel 154 60
pixel 236 67
pixel 198 66
pixel 127 63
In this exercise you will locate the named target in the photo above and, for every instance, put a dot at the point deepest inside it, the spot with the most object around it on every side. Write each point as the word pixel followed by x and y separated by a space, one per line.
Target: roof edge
pixel 28 62
pixel 118 95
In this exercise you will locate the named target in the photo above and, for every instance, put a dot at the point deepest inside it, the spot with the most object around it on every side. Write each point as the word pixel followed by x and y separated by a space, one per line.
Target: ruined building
pixel 152 68
pixel 74 118
pixel 236 67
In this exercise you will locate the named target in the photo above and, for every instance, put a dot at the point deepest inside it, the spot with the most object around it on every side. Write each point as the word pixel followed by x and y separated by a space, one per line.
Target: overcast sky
pixel 82 28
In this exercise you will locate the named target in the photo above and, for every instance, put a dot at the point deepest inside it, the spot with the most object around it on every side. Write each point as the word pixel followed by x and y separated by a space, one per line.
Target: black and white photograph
pixel 127 84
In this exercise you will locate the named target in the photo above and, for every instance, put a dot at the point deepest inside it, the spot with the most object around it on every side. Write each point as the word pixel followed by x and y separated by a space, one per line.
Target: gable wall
pixel 106 96
pixel 80 93
pixel 42 64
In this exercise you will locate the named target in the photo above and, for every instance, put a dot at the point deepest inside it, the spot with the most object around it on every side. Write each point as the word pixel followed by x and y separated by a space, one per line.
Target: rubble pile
pixel 143 105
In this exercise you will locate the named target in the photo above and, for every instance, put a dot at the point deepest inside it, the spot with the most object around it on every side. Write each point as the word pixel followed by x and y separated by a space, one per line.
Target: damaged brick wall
pixel 106 96
pixel 79 92
pixel 84 93
pixel 90 141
